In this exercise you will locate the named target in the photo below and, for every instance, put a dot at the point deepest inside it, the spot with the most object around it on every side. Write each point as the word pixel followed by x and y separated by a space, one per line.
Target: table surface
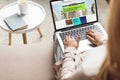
pixel 34 18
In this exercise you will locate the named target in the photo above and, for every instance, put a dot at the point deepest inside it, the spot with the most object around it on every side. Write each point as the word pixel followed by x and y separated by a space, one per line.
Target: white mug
pixel 23 7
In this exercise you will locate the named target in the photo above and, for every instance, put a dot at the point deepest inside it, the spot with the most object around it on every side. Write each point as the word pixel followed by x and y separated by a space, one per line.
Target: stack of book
pixel 15 22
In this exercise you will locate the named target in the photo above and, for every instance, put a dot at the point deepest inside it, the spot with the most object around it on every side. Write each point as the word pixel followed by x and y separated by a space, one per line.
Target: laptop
pixel 75 18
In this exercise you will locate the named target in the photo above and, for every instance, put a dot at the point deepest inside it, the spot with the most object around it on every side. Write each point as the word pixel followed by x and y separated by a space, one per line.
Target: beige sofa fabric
pixel 27 62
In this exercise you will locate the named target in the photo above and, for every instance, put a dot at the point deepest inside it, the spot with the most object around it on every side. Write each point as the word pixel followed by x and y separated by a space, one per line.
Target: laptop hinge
pixel 65 29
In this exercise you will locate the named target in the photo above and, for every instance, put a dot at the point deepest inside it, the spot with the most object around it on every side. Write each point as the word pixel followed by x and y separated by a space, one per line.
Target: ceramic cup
pixel 23 7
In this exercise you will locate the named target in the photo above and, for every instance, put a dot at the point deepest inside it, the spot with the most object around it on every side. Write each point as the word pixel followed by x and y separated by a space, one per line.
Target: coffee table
pixel 34 18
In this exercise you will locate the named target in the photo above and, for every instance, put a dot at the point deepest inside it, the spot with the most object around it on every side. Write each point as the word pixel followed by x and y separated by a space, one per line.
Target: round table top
pixel 35 16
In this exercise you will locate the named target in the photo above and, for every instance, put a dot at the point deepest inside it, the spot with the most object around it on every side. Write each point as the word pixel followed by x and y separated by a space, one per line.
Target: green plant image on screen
pixel 74 7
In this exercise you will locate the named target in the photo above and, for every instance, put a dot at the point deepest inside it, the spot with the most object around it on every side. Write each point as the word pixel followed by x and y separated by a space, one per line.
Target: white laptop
pixel 75 18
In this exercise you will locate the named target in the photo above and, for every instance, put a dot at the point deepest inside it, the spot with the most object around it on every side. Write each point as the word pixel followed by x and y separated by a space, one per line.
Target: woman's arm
pixel 69 69
pixel 68 63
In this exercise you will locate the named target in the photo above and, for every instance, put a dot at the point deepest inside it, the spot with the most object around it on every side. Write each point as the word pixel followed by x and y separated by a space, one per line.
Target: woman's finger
pixel 90 31
pixel 91 34
pixel 73 39
pixel 78 39
pixel 65 43
pixel 91 39
pixel 66 38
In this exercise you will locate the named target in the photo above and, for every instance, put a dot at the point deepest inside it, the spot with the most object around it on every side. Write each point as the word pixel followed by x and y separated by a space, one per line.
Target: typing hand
pixel 94 37
pixel 70 41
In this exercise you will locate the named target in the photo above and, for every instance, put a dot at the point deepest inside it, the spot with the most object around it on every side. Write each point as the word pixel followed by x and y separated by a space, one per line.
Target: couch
pixel 27 62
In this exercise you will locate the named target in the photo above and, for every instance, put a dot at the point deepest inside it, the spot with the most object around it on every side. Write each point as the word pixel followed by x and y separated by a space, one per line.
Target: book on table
pixel 15 22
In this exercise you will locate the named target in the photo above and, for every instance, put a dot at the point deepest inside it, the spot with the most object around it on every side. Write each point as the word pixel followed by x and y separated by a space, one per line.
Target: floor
pixel 47 27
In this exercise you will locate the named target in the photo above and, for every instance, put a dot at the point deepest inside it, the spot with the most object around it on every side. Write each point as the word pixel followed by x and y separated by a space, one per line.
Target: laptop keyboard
pixel 80 32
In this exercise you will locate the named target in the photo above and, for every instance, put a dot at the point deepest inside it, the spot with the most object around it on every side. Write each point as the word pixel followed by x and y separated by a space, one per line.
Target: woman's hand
pixel 69 41
pixel 94 37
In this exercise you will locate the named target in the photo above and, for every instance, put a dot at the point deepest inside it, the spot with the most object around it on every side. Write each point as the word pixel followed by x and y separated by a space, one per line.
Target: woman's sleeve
pixel 69 69
pixel 102 41
pixel 68 63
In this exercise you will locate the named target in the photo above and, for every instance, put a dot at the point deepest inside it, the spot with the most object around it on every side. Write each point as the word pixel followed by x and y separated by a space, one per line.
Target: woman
pixel 110 70
pixel 68 70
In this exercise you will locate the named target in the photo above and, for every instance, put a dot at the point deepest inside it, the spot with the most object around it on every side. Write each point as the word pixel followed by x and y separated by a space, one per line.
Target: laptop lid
pixel 73 13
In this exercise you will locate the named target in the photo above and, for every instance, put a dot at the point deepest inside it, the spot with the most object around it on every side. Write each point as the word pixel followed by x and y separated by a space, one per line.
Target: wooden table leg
pixel 24 38
pixel 10 38
pixel 39 32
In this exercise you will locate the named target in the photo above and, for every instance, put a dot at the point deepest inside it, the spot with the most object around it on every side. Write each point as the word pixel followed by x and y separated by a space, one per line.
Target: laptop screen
pixel 70 13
